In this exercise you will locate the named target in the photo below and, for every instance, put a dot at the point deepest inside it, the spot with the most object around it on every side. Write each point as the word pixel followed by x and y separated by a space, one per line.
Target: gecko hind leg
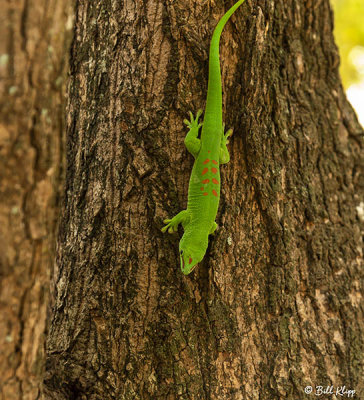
pixel 172 224
pixel 224 152
pixel 192 143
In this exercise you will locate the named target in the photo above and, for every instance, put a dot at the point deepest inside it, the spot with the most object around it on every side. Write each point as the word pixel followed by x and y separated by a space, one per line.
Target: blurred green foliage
pixel 349 36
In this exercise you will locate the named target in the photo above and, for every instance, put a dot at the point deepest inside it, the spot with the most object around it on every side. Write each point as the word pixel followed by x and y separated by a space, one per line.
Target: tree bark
pixel 276 304
pixel 35 36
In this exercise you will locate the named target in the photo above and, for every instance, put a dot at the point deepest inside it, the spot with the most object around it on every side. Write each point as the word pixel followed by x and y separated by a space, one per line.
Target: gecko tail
pixel 220 26
pixel 214 95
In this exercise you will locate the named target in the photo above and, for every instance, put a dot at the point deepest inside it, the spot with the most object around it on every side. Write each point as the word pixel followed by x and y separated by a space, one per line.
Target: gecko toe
pixel 228 134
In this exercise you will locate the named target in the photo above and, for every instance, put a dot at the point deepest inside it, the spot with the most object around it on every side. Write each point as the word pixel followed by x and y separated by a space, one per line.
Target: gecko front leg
pixel 192 143
pixel 172 224
pixel 213 228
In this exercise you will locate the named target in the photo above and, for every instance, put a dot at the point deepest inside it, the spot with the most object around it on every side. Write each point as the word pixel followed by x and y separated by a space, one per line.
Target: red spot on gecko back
pixel 213 170
pixel 214 192
pixel 206 161
pixel 214 162
pixel 204 171
pixel 190 260
pixel 215 181
pixel 205 181
pixel 205 194
pixel 202 188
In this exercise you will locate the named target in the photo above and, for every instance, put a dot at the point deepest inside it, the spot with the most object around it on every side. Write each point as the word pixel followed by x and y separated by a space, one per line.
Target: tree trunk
pixel 276 304
pixel 33 53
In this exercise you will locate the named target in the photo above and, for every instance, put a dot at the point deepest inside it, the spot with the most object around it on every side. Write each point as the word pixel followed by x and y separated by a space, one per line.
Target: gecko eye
pixel 181 252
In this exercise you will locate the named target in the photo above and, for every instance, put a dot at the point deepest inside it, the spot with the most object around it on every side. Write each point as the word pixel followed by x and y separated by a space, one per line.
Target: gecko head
pixel 190 256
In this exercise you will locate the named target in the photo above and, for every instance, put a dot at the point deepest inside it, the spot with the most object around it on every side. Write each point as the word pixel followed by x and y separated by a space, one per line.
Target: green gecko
pixel 198 220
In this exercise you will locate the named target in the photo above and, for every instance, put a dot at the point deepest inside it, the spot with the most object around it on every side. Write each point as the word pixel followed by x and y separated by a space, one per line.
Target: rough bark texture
pixel 276 305
pixel 33 64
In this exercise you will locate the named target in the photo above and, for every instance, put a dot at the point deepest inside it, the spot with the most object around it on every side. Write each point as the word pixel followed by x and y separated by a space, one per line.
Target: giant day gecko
pixel 198 220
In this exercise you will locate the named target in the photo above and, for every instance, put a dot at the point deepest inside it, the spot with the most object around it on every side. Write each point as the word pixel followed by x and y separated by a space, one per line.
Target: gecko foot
pixel 193 122
pixel 172 224
pixel 225 138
